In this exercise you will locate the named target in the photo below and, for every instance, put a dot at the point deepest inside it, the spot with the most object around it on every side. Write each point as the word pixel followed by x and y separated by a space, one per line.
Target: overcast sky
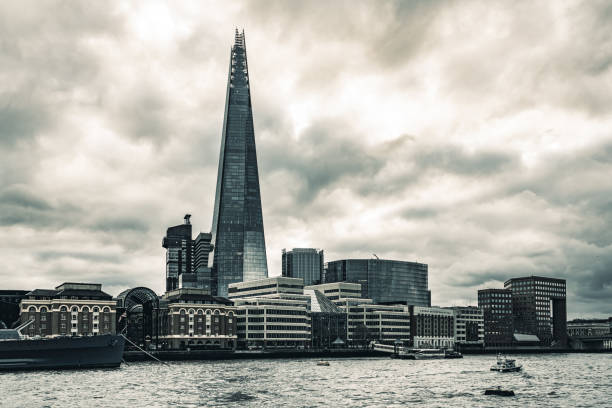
pixel 473 136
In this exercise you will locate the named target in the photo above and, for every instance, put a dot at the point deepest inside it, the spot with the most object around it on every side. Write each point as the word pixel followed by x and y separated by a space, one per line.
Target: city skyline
pixel 470 139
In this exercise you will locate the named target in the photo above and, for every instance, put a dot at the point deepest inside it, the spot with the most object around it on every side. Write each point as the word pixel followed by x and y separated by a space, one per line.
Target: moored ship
pixel 18 352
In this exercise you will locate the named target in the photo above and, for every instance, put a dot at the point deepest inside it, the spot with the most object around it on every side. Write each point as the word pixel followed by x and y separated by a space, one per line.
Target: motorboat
pixel 505 365
pixel 323 363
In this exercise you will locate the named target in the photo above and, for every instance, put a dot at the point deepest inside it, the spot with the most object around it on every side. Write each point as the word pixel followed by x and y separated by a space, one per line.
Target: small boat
pixel 452 354
pixel 426 354
pixel 323 363
pixel 505 365
pixel 499 391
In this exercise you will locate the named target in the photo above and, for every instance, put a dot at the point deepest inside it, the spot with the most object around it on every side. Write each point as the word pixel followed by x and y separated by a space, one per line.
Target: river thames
pixel 554 380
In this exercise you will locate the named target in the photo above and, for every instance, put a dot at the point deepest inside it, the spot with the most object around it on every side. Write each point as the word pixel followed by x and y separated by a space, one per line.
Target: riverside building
pixel 304 263
pixel 192 318
pixel 432 327
pixel 496 305
pixel 469 328
pixel 71 309
pixel 238 242
pixel 384 281
pixel 272 313
pixel 539 308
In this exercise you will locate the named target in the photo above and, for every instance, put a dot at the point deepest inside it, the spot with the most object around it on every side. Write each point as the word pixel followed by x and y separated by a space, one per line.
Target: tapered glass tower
pixel 239 247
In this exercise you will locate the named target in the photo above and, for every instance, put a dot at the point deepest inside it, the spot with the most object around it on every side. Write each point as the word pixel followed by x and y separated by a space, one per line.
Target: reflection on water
pixel 547 380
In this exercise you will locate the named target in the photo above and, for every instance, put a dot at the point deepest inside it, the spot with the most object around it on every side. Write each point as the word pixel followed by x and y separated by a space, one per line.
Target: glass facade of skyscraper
pixel 384 281
pixel 305 263
pixel 239 248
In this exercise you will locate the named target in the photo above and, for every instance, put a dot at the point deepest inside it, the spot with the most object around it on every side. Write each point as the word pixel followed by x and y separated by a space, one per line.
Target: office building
pixel 369 322
pixel 328 322
pixel 469 328
pixel 384 281
pixel 304 263
pixel 268 286
pixel 239 248
pixel 432 327
pixel 272 322
pixel 179 252
pixel 337 292
pixel 77 309
pixel 539 308
pixel 496 305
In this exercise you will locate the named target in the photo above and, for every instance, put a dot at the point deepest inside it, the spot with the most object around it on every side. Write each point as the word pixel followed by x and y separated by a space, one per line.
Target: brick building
pixel 71 309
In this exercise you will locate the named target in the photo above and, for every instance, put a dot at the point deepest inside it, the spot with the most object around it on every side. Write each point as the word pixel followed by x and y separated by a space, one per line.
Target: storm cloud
pixel 470 135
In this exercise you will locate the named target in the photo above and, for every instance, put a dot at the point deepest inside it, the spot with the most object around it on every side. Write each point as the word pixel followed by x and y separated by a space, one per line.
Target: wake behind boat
pixel 18 352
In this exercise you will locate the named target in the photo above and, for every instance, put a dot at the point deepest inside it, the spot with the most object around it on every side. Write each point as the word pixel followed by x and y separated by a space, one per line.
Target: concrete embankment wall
pixel 248 355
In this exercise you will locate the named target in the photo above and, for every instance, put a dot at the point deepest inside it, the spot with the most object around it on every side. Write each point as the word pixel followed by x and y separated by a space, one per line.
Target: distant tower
pixel 179 252
pixel 239 247
pixel 305 263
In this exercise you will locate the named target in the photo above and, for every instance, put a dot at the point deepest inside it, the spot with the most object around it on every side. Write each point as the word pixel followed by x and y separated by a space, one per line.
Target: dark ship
pixel 18 352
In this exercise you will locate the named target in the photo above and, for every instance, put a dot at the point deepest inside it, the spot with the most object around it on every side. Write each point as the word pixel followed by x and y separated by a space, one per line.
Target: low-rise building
pixel 328 322
pixel 589 327
pixel 77 309
pixel 192 318
pixel 273 321
pixel 381 323
pixel 469 328
pixel 337 291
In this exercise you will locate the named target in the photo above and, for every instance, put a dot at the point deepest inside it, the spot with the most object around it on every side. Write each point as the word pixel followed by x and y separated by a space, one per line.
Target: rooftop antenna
pixel 187 217
pixel 376 256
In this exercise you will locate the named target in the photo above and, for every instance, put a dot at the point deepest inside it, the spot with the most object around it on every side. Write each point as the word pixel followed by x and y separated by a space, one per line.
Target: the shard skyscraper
pixel 239 247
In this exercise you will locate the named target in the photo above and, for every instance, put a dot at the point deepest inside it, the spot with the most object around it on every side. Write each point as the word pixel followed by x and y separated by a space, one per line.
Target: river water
pixel 555 380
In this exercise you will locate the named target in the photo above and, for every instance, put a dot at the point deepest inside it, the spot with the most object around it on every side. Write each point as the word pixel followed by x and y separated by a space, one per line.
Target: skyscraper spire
pixel 239 248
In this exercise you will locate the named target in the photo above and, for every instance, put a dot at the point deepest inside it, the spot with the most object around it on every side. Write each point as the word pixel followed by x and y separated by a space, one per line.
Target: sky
pixel 474 136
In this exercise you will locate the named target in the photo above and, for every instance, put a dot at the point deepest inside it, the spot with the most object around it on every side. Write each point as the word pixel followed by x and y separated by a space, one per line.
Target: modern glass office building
pixel 305 263
pixel 179 253
pixel 384 281
pixel 239 248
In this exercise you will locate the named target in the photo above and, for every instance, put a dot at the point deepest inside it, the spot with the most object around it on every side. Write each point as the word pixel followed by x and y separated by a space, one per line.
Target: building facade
pixel 179 252
pixel 539 308
pixel 384 281
pixel 304 263
pixel 273 322
pixel 338 291
pixel 496 305
pixel 329 324
pixel 369 322
pixel 589 327
pixel 239 248
pixel 71 309
pixel 193 319
pixel 268 286
pixel 469 328
pixel 432 327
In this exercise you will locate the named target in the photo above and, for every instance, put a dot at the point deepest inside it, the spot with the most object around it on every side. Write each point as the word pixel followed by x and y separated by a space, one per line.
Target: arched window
pixel 231 314
pixel 216 312
pixel 208 311
pixel 191 311
pixel 96 309
pixel 85 309
pixel 200 311
pixel 74 309
pixel 43 309
pixel 32 309
pixel 63 309
pixel 106 309
pixel 182 311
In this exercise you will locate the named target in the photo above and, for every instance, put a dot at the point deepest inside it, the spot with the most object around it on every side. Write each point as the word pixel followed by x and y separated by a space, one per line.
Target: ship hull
pixel 62 353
